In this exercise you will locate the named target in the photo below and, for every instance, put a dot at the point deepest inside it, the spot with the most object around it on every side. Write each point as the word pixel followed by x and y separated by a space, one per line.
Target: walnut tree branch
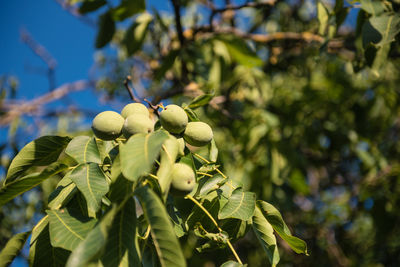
pixel 29 107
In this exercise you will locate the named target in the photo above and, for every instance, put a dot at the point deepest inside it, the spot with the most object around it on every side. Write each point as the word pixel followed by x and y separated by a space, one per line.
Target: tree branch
pixel 130 90
pixel 261 38
pixel 44 55
pixel 215 11
pixel 16 110
pixel 178 22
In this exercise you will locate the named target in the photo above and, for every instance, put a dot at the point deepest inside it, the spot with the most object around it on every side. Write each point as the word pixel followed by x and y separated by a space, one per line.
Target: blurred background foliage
pixel 304 102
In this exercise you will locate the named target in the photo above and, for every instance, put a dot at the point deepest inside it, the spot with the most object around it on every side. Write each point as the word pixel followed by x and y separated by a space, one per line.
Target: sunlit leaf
pixel 373 7
pixel 323 17
pixel 162 232
pixel 12 248
pixel 67 229
pixel 40 152
pixel 41 252
pixel 265 234
pixel 91 181
pixel 200 101
pixel 64 191
pixel 83 149
pixel 122 244
pixel 21 185
pixel 274 217
pixel 90 248
pixel 168 156
pixel 240 205
pixel 140 152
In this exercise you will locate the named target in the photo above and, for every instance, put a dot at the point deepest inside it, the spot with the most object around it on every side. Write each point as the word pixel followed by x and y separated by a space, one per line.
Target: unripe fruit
pixel 173 119
pixel 137 123
pixel 181 148
pixel 198 133
pixel 107 125
pixel 134 108
pixel 183 178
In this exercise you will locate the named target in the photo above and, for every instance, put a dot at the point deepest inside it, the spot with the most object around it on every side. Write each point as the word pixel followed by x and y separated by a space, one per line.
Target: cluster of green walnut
pixel 135 118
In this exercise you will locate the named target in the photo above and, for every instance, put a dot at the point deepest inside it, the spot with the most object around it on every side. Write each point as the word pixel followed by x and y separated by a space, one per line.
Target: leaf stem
pixel 215 223
pixel 203 173
pixel 208 162
pixel 153 176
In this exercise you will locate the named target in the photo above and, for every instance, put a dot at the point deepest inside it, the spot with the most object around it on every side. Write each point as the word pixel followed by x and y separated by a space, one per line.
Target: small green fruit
pixel 183 178
pixel 198 133
pixel 181 148
pixel 134 108
pixel 173 119
pixel 107 125
pixel 137 123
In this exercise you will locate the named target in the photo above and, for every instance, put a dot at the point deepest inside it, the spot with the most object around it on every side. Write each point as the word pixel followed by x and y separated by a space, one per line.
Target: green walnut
pixel 183 178
pixel 107 125
pixel 134 108
pixel 181 148
pixel 198 133
pixel 137 123
pixel 173 119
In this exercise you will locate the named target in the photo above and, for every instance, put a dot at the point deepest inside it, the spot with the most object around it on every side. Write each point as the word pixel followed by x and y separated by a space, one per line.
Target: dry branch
pixel 29 107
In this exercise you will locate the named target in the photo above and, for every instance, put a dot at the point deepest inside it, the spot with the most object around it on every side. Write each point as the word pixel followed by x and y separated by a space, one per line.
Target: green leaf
pixel 12 248
pixel 67 229
pixel 135 35
pixel 200 101
pixel 265 234
pixel 232 264
pixel 373 7
pixel 240 205
pixel 191 114
pixel 167 63
pixel 122 243
pixel 213 151
pixel 83 149
pixel 106 30
pixel 91 5
pixel 21 185
pixel 240 51
pixel 91 181
pixel 162 232
pixel 40 152
pixel 323 17
pixel 41 252
pixel 207 185
pixel 90 248
pixel 199 216
pixel 64 191
pixel 380 30
pixel 388 26
pixel 274 217
pixel 168 156
pixel 140 152
pixel 128 8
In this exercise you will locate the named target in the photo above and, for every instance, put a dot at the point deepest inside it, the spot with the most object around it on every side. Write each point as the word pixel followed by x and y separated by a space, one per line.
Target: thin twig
pixel 261 38
pixel 153 107
pixel 130 90
pixel 44 55
pixel 15 110
pixel 215 11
